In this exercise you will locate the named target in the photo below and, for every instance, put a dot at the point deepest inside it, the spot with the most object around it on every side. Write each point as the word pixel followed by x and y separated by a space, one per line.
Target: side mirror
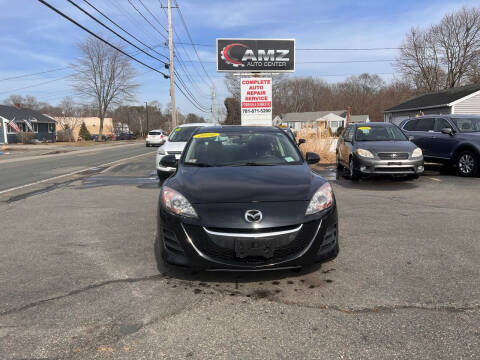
pixel 169 161
pixel 312 158
pixel 447 131
pixel 301 141
pixel 411 138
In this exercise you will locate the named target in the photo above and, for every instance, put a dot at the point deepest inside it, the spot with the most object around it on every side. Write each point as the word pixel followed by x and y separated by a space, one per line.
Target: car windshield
pixel 379 133
pixel 241 149
pixel 181 134
pixel 466 125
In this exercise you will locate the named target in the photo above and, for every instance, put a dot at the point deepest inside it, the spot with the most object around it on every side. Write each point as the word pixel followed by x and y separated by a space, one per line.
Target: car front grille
pixel 208 247
pixel 393 156
pixel 174 152
pixel 395 169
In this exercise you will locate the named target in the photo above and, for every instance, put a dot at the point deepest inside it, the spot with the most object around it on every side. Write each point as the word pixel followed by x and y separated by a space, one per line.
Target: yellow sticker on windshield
pixel 365 128
pixel 178 129
pixel 206 135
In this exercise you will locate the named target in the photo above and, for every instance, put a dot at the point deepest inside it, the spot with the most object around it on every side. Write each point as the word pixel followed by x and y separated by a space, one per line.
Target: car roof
pixel 155 130
pixel 443 116
pixel 374 124
pixel 197 124
pixel 239 129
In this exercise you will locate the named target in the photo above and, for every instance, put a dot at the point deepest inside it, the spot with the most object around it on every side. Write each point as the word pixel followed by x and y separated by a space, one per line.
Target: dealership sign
pixel 260 55
pixel 256 101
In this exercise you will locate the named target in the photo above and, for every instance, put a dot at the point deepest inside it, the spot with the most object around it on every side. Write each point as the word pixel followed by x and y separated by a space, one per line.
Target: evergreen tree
pixel 84 133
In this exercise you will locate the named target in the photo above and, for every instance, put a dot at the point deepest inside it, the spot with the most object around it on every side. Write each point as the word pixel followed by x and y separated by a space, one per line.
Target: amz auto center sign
pixel 256 55
pixel 256 101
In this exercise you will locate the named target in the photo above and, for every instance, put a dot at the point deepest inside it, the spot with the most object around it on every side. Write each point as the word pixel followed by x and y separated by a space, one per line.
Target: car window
pixel 349 133
pixel 154 133
pixel 410 125
pixel 441 124
pixel 241 149
pixel 467 124
pixel 181 134
pixel 379 133
pixel 425 124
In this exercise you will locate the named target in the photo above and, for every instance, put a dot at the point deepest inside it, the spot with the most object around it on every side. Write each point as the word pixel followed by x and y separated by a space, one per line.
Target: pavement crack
pixel 382 308
pixel 78 291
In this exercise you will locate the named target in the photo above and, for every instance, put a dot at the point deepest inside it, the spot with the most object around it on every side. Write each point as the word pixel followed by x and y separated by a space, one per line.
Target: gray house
pixel 460 100
pixel 43 126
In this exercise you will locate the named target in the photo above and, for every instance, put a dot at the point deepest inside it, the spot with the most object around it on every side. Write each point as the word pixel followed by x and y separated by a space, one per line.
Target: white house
pixel 459 100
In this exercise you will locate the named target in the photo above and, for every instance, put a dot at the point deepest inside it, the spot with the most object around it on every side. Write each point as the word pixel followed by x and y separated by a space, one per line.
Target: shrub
pixel 25 137
pixel 84 133
pixel 64 135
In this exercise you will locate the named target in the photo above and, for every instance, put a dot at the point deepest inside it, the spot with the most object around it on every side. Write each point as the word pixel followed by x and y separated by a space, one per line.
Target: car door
pixel 423 134
pixel 346 148
pixel 442 145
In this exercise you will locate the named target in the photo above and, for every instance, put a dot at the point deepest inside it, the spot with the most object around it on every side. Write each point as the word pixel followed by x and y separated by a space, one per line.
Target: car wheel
pixel 147 145
pixel 467 163
pixel 352 173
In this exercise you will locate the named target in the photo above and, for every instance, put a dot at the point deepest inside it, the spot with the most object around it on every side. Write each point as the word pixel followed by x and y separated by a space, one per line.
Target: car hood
pixel 173 146
pixel 245 183
pixel 386 146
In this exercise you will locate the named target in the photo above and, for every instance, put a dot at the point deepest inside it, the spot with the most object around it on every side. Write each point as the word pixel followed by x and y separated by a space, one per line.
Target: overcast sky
pixel 35 39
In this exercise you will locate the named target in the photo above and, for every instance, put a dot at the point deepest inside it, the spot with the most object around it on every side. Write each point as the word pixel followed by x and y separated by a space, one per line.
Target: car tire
pixel 467 163
pixel 353 174
pixel 162 175
pixel 147 145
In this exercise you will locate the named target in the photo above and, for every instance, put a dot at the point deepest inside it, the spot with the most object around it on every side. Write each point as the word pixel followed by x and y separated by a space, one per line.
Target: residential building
pixel 92 124
pixel 44 127
pixel 459 100
pixel 333 119
pixel 358 119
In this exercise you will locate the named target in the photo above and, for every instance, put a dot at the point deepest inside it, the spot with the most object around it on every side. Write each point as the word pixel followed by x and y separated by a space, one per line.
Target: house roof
pixel 311 116
pixel 359 118
pixel 11 112
pixel 436 99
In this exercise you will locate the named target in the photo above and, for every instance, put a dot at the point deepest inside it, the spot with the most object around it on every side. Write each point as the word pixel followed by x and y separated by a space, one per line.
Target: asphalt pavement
pixel 78 277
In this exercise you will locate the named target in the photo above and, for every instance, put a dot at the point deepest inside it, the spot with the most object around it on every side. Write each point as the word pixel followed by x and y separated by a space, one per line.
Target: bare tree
pixel 103 75
pixel 69 119
pixel 444 55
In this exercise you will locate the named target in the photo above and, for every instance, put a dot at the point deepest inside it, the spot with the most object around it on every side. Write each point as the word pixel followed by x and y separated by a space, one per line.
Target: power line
pixel 121 28
pixel 191 40
pixel 33 74
pixel 114 32
pixel 349 49
pixel 34 85
pixel 100 38
pixel 148 21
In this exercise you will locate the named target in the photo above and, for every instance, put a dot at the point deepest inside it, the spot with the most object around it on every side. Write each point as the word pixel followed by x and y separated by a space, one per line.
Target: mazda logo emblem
pixel 253 216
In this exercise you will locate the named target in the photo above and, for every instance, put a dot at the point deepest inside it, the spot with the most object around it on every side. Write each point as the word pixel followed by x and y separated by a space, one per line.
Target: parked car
pixel 447 139
pixel 174 145
pixel 155 138
pixel 377 149
pixel 94 137
pixel 244 198
pixel 125 136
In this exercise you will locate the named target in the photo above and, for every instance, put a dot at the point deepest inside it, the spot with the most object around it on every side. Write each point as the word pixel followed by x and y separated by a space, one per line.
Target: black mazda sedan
pixel 244 198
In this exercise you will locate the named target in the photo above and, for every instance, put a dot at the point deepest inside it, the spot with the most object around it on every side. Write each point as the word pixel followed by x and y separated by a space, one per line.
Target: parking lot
pixel 78 277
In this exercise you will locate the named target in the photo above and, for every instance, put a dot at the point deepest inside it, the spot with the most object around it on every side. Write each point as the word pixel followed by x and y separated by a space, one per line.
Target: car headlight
pixel 417 153
pixel 322 199
pixel 364 153
pixel 161 151
pixel 177 203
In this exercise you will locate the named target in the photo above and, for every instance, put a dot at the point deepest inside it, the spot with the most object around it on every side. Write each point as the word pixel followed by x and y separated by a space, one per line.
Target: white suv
pixel 155 137
pixel 174 145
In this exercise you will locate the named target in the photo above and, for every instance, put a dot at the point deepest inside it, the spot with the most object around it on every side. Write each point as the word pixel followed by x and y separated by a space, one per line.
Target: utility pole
pixel 212 108
pixel 172 72
pixel 146 108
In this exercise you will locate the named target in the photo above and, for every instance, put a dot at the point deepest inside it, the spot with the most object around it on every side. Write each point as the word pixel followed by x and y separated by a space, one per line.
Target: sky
pixel 35 39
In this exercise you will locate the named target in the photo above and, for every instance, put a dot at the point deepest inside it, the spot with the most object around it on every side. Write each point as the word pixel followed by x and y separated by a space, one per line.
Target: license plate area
pixel 394 163
pixel 254 247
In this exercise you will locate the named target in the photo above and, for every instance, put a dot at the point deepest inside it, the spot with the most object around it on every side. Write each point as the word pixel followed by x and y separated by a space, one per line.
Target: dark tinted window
pixel 425 125
pixel 468 124
pixel 154 133
pixel 441 124
pixel 379 133
pixel 181 134
pixel 410 125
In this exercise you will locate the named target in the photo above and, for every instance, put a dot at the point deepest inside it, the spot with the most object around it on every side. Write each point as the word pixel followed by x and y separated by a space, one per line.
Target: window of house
pixel 51 128
pixel 35 127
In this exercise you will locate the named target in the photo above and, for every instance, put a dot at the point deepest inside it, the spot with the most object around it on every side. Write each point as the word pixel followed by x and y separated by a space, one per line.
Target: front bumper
pixel 185 242
pixel 389 167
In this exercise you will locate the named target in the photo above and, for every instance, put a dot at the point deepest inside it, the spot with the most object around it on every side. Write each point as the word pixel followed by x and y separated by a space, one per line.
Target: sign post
pixel 256 104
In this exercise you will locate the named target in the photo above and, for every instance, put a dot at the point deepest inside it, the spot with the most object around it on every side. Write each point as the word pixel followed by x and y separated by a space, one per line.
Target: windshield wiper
pixel 198 164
